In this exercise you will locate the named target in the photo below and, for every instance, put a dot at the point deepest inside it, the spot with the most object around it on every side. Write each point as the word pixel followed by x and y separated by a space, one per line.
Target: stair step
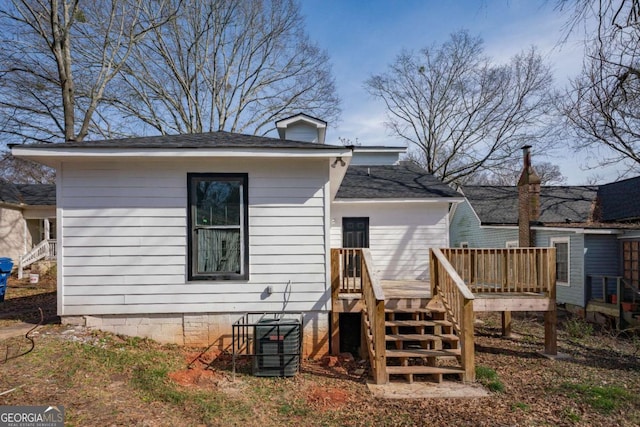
pixel 421 337
pixel 413 323
pixel 422 353
pixel 414 310
pixel 425 370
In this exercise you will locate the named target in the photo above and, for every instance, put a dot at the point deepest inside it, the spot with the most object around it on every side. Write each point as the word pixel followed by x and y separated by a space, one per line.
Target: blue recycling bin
pixel 6 264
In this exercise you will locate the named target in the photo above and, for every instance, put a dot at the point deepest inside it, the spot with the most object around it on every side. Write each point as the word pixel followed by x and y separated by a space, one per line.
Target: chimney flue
pixel 529 199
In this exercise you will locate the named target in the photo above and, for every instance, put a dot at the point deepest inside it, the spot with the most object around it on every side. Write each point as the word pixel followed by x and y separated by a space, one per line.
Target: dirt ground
pixel 105 380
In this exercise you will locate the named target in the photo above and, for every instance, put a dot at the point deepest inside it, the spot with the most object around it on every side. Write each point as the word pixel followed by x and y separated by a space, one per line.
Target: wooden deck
pixel 408 290
pixel 394 289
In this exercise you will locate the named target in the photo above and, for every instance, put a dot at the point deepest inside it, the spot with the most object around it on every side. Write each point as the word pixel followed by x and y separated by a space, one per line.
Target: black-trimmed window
pixel 218 226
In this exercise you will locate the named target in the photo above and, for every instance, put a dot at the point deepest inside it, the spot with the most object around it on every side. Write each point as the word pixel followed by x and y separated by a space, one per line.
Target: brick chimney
pixel 529 200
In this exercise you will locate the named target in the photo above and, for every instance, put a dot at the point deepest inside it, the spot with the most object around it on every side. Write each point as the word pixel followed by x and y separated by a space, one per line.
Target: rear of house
pixel 176 237
pixel 172 237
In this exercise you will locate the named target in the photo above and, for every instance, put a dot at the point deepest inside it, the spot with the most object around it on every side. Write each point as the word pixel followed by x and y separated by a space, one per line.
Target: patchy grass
pixel 489 378
pixel 578 328
pixel 104 379
pixel 603 399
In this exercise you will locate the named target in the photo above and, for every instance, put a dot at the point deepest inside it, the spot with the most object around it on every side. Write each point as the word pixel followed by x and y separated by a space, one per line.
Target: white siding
pixel 123 246
pixel 400 234
pixel 302 132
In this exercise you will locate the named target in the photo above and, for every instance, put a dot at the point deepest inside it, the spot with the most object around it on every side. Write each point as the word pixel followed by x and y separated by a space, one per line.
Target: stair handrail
pixel 373 298
pixel 40 251
pixel 450 289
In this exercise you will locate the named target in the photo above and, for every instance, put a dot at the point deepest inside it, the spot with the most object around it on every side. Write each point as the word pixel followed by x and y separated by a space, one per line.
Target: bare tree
pixel 233 65
pixel 461 112
pixel 510 173
pixel 58 58
pixel 602 104
pixel 21 171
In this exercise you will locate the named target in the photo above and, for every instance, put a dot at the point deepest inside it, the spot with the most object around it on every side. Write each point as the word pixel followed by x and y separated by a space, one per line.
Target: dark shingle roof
pixel 27 194
pixel 9 193
pixel 38 194
pixel 392 182
pixel 197 140
pixel 558 204
pixel 620 201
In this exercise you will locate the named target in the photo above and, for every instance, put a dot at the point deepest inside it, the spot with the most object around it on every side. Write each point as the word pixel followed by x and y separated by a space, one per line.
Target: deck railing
pixel 505 270
pixel 447 284
pixel 351 264
pixel 611 289
pixel 352 272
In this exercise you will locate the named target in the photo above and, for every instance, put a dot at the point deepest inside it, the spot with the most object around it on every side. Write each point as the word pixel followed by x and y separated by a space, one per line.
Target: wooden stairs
pixel 420 343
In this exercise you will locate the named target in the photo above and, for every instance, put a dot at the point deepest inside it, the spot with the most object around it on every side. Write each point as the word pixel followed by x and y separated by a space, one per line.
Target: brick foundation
pixel 199 330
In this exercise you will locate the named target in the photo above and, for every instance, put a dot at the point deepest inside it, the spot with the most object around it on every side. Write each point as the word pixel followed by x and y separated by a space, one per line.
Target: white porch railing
pixel 53 249
pixel 43 250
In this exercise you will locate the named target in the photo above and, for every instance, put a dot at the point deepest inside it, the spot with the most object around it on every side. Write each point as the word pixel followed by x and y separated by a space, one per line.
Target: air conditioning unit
pixel 277 348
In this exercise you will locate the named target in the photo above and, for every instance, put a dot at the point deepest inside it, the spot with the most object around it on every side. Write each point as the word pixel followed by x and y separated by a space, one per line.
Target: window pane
pixel 217 202
pixel 562 262
pixel 218 251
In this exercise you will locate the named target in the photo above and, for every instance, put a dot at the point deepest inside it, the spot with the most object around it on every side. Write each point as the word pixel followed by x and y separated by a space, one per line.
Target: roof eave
pixel 51 156
pixel 401 200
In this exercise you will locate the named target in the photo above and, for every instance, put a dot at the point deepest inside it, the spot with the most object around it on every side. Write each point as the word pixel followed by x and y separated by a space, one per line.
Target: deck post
pixel 550 317
pixel 380 345
pixel 550 332
pixel 506 315
pixel 433 273
pixel 335 301
pixel 467 347
pixel 506 324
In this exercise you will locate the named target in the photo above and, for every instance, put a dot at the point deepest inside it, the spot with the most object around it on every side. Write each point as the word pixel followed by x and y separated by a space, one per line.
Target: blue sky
pixel 364 37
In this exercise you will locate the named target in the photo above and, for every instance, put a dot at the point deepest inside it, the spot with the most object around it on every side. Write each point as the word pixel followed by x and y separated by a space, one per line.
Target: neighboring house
pixel 176 237
pixel 27 217
pixel 595 230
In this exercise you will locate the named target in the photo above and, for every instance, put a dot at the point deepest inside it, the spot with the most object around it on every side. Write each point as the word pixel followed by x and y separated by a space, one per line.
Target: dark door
pixel 355 234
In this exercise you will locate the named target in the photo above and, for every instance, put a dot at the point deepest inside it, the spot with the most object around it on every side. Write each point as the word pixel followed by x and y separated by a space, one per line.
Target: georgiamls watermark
pixel 31 416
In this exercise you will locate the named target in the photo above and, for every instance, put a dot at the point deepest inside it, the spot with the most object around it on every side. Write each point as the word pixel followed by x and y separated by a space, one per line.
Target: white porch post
pixel 47 229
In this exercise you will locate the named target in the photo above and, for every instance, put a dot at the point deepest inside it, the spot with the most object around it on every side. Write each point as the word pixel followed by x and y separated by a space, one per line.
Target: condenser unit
pixel 277 347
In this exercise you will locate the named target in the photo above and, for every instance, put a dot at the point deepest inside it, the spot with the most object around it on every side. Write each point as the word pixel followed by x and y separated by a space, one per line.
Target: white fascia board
pixel 379 149
pixel 575 230
pixel 430 200
pixel 49 157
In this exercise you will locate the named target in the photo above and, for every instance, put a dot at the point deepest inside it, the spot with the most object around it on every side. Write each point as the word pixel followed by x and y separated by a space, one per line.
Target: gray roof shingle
pixel 209 140
pixel 9 193
pixel 558 204
pixel 27 194
pixel 392 182
pixel 620 201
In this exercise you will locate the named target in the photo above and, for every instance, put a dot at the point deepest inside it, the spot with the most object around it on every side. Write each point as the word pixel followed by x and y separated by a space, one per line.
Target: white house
pixel 175 237
pixel 27 218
